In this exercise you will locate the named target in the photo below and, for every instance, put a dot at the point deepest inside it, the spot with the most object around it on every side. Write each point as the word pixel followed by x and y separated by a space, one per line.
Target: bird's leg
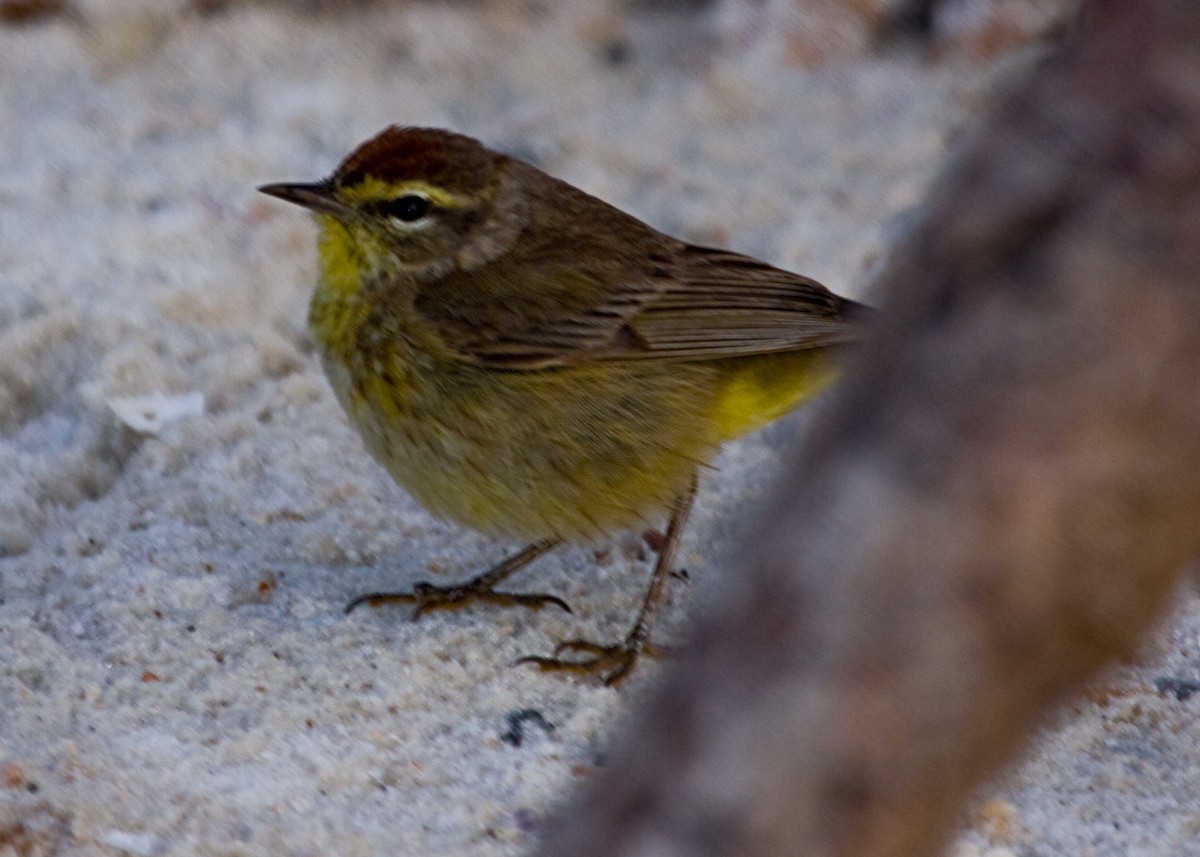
pixel 612 663
pixel 425 596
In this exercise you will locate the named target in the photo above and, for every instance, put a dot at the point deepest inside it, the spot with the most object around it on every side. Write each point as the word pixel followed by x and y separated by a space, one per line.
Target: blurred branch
pixel 997 502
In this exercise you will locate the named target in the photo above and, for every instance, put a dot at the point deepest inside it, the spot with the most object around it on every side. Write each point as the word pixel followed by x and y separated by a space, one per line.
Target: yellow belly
pixel 572 453
pixel 567 453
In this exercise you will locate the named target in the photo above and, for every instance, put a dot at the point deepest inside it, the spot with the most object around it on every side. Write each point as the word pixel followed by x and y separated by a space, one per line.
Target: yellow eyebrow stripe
pixel 372 190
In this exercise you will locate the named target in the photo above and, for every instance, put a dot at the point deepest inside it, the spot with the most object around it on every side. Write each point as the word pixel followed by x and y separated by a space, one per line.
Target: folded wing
pixel 683 303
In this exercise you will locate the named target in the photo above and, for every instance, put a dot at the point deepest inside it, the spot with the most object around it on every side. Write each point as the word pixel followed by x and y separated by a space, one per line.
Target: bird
pixel 534 363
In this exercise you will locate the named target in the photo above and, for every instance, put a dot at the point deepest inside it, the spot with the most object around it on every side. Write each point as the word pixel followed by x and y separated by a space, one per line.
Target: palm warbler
pixel 532 362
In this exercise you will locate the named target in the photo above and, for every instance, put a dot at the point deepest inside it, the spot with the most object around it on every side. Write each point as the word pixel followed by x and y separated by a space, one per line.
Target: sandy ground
pixel 184 510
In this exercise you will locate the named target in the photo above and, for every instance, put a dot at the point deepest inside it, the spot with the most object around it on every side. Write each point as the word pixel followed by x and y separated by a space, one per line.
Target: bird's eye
pixel 408 208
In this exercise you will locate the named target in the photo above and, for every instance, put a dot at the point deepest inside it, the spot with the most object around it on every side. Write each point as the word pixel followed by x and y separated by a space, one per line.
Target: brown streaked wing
pixel 724 304
pixel 694 304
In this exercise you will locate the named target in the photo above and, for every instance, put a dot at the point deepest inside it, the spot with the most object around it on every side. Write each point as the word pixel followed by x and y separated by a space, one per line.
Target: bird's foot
pixel 612 664
pixel 426 597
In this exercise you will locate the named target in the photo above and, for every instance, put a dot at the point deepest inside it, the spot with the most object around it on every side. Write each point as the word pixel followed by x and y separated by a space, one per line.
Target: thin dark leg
pixel 426 596
pixel 614 662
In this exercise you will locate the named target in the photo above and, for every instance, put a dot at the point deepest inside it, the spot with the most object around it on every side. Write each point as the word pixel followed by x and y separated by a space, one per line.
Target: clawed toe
pixel 532 600
pixel 426 597
pixel 611 664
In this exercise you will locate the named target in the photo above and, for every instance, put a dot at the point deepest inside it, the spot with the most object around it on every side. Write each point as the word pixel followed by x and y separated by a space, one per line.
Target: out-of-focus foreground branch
pixel 997 502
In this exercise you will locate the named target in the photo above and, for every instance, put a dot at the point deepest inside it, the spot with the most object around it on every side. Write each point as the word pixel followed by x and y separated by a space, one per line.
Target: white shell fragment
pixel 151 413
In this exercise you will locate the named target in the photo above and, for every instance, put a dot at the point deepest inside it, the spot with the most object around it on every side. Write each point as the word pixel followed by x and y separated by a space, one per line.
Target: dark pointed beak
pixel 315 197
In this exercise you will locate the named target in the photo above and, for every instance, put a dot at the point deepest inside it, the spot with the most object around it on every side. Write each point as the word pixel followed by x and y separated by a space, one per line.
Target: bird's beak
pixel 315 197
